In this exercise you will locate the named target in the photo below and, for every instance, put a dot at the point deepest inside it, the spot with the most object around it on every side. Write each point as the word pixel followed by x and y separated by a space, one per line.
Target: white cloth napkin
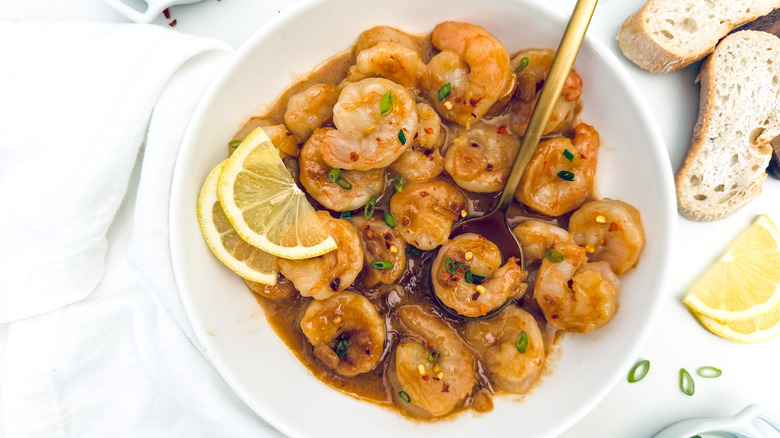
pixel 93 337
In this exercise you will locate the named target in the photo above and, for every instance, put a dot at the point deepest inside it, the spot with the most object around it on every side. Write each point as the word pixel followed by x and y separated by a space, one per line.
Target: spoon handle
pixel 553 85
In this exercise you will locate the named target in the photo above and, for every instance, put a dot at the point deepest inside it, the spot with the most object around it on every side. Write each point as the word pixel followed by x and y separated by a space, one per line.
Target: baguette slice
pixel 667 35
pixel 738 117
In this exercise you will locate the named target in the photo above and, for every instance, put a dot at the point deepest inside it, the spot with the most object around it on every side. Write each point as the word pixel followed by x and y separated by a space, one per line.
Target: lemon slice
pixel 745 282
pixel 265 206
pixel 760 328
pixel 243 258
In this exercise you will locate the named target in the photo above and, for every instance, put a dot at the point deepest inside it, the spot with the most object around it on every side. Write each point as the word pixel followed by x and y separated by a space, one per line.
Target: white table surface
pixel 750 372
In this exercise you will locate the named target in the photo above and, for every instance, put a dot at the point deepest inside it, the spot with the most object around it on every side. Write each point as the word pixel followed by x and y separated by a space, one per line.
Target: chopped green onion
pixel 569 156
pixel 413 251
pixel 334 175
pixel 398 184
pixel 686 382
pixel 433 356
pixel 444 91
pixel 404 396
pixel 477 277
pixel 468 276
pixel 449 265
pixel 389 220
pixel 381 265
pixel 523 64
pixel 346 214
pixel 342 347
pixel 234 144
pixel 709 372
pixel 401 137
pixel 566 175
pixel 343 183
pixel 554 256
pixel 521 341
pixel 638 371
pixel 387 103
pixel 368 209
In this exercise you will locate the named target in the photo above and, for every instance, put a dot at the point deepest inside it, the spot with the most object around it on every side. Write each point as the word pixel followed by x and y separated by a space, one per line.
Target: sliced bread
pixel 738 117
pixel 667 35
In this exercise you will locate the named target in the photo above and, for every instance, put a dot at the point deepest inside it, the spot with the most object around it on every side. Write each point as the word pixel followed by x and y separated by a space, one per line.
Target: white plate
pixel 633 166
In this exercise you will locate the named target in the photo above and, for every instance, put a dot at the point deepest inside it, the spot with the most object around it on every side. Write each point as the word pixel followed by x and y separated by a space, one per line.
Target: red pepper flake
pixel 474 145
pixel 445 387
pixel 435 378
pixel 353 156
pixel 415 136
pixel 489 167
pixel 167 14
pixel 428 130
pixel 405 221
pixel 483 309
pixel 502 129
pixel 455 278
pixel 172 23
pixel 423 194
pixel 475 296
pixel 428 152
pixel 425 377
pixel 457 99
pixel 613 227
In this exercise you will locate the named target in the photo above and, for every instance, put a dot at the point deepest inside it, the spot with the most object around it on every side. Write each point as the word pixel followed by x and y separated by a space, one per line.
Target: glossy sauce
pixel 413 287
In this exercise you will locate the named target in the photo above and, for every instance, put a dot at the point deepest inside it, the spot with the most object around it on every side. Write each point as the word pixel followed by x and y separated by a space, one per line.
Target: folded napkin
pixel 93 337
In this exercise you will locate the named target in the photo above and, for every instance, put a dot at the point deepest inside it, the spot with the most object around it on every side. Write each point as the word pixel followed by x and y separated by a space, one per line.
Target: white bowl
pixel 633 166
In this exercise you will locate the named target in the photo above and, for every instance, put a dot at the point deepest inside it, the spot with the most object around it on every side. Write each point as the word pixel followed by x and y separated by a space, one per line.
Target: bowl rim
pixel 248 48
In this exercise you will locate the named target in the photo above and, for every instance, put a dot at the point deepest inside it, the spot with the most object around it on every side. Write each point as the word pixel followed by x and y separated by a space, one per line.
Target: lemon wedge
pixel 265 206
pixel 744 284
pixel 244 259
pixel 760 328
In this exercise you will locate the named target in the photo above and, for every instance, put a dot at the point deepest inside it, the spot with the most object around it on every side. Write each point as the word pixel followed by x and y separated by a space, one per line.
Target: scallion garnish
pixel 477 277
pixel 389 220
pixel 381 265
pixel 398 184
pixel 387 103
pixel 566 175
pixel 521 341
pixel 401 136
pixel 368 209
pixel 523 64
pixel 638 371
pixel 346 214
pixel 444 91
pixel 413 251
pixel 569 156
pixel 449 265
pixel 404 396
pixel 686 382
pixel 554 256
pixel 343 183
pixel 468 276
pixel 433 356
pixel 342 347
pixel 234 144
pixel 709 372
pixel 334 175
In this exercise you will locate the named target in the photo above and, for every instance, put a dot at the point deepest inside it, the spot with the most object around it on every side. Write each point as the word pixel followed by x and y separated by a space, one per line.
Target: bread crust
pixel 690 179
pixel 645 48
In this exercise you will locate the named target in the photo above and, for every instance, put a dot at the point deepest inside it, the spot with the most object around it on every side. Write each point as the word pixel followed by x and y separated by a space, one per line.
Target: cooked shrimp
pixel 323 276
pixel 380 244
pixel 432 370
pixel 537 237
pixel 351 190
pixel 379 34
pixel 468 256
pixel 611 231
pixel 529 81
pixel 574 295
pixel 283 289
pixel 480 158
pixel 423 160
pixel 366 138
pixel 475 64
pixel 561 174
pixel 424 212
pixel 346 331
pixel 310 109
pixel 511 346
pixel 388 60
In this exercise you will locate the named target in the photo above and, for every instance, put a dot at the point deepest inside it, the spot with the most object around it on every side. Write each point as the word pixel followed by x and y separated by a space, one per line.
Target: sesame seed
pixel 469 255
pixel 440 375
pixel 337 320
pixel 421 369
pixel 463 213
pixel 370 234
pixel 448 105
pixel 480 289
pixel 393 249
pixel 590 248
pixel 436 368
pixel 601 219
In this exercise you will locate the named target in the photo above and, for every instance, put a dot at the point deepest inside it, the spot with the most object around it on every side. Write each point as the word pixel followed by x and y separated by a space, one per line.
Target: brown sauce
pixel 413 287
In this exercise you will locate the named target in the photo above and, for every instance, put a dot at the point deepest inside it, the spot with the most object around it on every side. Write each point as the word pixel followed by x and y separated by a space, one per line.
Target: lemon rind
pixel 722 329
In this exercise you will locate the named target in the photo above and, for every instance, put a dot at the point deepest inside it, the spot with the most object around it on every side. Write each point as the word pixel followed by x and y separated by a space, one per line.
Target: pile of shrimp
pixel 394 154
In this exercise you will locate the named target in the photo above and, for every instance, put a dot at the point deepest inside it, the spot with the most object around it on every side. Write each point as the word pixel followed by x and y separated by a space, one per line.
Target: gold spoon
pixel 493 226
